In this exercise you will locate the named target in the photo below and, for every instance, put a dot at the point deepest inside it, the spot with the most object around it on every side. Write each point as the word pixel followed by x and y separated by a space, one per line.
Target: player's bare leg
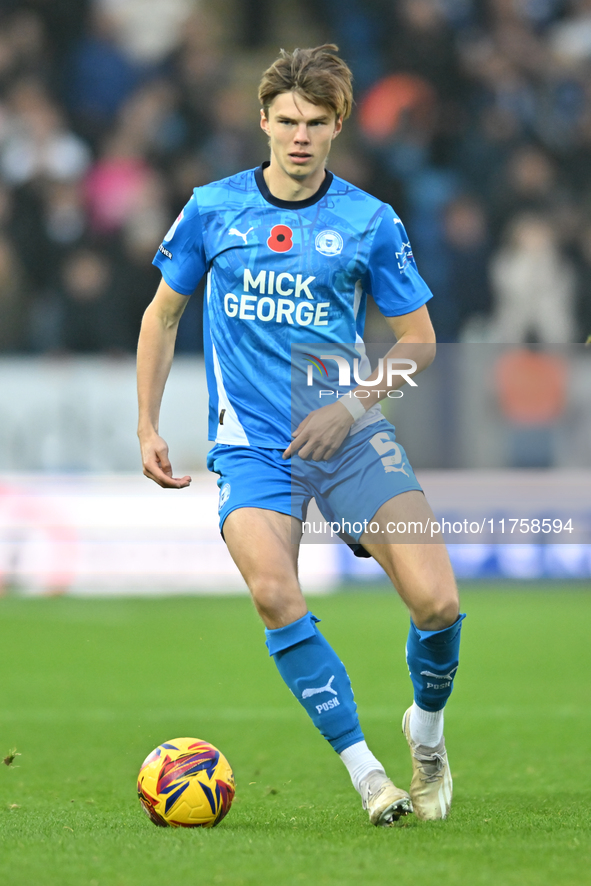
pixel 423 577
pixel 421 573
pixel 261 544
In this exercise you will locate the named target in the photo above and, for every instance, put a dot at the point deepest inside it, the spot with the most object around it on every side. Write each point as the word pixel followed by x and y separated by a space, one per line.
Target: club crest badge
pixel 329 243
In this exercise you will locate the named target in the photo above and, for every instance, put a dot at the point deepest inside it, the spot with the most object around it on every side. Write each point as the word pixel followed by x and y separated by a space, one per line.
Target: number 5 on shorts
pixel 392 463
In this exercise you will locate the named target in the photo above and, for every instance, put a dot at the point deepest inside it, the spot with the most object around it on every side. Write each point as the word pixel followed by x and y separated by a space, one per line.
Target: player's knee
pixel 437 613
pixel 276 601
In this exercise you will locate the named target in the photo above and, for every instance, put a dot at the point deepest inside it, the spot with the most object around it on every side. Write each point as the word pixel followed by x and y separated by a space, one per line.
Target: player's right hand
pixel 157 465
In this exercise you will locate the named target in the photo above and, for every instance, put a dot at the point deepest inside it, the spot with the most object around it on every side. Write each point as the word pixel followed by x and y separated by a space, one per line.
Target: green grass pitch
pixel 89 687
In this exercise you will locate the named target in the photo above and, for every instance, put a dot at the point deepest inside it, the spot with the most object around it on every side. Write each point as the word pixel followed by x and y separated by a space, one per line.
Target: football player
pixel 290 252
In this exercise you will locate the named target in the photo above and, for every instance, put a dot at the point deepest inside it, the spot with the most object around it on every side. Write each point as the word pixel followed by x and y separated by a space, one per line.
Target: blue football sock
pixel 433 658
pixel 318 679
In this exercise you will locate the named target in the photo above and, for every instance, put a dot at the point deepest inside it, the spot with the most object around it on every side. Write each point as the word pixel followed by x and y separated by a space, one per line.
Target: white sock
pixel 360 761
pixel 426 727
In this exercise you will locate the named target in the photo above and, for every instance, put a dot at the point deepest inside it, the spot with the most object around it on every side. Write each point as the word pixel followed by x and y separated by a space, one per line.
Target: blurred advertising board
pixel 122 534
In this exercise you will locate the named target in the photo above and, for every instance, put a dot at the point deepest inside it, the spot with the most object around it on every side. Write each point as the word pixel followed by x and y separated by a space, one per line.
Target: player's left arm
pixel 321 433
pixel 415 340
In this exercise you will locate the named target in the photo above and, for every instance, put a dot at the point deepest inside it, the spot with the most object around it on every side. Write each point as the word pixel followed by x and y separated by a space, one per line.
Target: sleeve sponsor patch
pixel 170 233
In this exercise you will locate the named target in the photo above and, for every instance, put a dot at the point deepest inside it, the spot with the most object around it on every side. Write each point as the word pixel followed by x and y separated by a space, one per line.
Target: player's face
pixel 301 134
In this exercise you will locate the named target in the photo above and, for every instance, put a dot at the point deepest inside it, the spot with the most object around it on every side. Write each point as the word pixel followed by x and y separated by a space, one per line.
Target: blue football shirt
pixel 279 274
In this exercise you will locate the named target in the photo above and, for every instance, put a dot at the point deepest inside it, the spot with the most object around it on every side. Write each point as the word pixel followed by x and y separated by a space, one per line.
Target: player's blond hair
pixel 317 74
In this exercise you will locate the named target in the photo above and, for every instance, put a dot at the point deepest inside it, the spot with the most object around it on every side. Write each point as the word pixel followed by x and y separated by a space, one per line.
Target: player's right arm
pixel 154 359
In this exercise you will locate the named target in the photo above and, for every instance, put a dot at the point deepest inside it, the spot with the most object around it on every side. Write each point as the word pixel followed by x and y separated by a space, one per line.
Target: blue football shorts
pixel 368 470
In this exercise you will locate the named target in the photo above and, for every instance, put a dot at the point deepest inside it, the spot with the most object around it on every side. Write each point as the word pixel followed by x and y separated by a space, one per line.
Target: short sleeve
pixel 392 277
pixel 181 255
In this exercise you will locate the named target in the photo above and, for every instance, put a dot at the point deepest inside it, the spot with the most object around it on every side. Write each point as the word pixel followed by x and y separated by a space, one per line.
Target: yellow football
pixel 186 783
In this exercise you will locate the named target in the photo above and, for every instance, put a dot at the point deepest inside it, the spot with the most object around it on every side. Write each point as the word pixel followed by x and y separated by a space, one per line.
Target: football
pixel 186 783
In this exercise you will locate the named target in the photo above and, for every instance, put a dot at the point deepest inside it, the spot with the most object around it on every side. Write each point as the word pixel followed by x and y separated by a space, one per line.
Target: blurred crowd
pixel 472 118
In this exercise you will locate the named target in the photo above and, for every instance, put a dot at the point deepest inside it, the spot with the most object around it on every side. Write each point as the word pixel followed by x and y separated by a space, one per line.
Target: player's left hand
pixel 321 433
